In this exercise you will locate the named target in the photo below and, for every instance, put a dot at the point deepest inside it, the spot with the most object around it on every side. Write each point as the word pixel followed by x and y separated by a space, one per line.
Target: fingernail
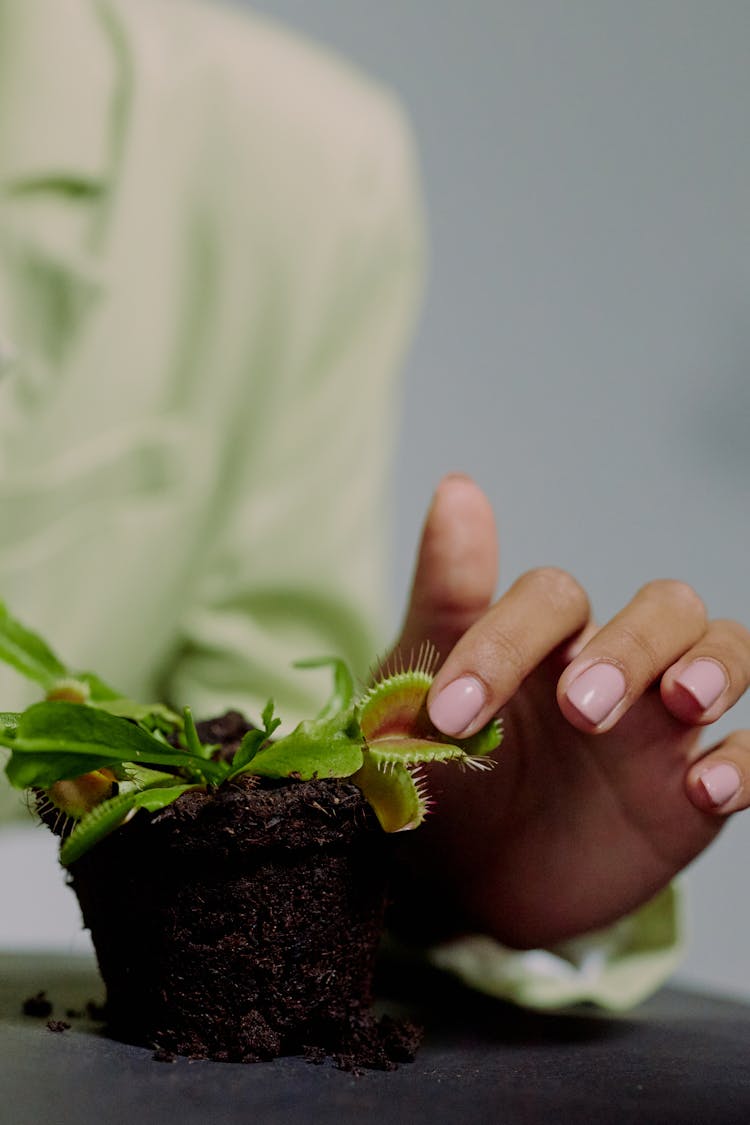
pixel 457 705
pixel 597 691
pixel 721 782
pixel 705 680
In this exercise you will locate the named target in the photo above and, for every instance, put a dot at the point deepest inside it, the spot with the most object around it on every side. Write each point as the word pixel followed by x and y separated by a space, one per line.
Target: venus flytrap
pixel 98 757
pixel 401 739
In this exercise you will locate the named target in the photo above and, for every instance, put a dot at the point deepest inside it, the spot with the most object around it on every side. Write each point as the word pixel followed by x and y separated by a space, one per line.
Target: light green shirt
pixel 210 259
pixel 210 244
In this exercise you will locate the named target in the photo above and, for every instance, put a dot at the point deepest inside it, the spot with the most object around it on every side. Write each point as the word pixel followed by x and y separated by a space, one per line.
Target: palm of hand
pixel 590 809
pixel 570 830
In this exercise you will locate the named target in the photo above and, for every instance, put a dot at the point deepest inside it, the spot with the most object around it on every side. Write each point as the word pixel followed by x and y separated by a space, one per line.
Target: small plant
pixel 97 757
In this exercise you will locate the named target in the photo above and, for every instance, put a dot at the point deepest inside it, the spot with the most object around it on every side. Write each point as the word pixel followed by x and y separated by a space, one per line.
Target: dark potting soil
pixel 241 924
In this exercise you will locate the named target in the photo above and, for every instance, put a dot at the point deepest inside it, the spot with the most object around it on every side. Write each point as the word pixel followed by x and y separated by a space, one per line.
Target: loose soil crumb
pixel 160 1055
pixel 242 923
pixel 380 1045
pixel 38 1006
pixel 58 1025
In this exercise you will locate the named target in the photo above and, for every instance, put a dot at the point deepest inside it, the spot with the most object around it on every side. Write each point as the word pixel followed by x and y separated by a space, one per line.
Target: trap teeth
pixel 423 663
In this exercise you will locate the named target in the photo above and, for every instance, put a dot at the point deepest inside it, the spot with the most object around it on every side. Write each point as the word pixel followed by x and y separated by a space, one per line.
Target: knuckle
pixel 741 739
pixel 646 652
pixel 507 650
pixel 560 588
pixel 729 643
pixel 737 635
pixel 678 594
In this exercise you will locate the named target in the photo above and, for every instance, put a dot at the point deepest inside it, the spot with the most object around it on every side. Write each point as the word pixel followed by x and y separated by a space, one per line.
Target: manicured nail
pixel 705 680
pixel 457 705
pixel 721 782
pixel 597 691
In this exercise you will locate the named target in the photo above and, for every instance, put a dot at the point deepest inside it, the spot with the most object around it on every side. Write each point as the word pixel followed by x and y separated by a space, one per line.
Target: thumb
pixel 456 572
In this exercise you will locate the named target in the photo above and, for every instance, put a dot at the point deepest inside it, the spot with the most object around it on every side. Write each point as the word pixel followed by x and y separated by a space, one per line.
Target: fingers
pixel 711 677
pixel 662 636
pixel 488 664
pixel 663 633
pixel 456 572
pixel 720 781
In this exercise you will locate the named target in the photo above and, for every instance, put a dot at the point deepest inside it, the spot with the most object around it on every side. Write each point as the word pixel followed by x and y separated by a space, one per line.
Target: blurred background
pixel 584 349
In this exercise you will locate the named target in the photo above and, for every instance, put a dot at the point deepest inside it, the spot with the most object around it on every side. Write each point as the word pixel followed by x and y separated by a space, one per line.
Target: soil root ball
pixel 242 923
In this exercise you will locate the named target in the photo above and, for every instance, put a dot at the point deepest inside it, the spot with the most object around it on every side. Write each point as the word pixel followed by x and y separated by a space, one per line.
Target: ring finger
pixel 664 619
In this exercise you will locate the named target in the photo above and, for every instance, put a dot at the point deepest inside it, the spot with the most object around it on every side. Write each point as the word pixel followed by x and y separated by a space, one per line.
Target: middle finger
pixel 543 608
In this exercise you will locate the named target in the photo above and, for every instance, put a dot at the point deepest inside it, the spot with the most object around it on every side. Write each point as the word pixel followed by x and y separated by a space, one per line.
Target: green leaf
pixel 27 652
pixel 343 684
pixel 60 737
pixel 109 815
pixel 9 721
pixel 153 716
pixel 42 770
pixel 254 740
pixel 30 655
pixel 141 777
pixel 192 741
pixel 269 722
pixel 313 749
pixel 339 759
pixel 247 749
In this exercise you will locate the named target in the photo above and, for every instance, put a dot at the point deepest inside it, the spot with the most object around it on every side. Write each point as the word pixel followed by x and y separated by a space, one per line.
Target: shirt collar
pixel 57 86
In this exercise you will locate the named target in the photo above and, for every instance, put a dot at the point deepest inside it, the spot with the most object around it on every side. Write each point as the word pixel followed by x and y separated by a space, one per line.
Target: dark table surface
pixel 681 1057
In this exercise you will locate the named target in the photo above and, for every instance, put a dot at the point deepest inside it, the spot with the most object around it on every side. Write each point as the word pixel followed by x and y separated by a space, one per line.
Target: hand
pixel 601 792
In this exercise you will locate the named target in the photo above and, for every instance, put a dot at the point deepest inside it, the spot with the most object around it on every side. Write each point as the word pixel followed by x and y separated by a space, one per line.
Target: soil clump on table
pixel 242 923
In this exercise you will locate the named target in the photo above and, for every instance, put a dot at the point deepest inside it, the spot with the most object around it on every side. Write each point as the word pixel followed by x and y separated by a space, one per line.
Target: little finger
pixel 711 677
pixel 720 781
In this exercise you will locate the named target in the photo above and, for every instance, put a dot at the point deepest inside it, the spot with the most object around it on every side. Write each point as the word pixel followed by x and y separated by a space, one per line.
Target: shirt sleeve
pixel 614 968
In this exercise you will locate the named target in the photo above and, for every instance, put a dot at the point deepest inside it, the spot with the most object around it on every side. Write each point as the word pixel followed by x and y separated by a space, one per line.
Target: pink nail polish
pixel 705 680
pixel 457 705
pixel 721 782
pixel 597 691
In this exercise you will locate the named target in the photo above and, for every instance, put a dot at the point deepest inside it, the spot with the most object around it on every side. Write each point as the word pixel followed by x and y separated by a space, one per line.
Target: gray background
pixel 585 346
